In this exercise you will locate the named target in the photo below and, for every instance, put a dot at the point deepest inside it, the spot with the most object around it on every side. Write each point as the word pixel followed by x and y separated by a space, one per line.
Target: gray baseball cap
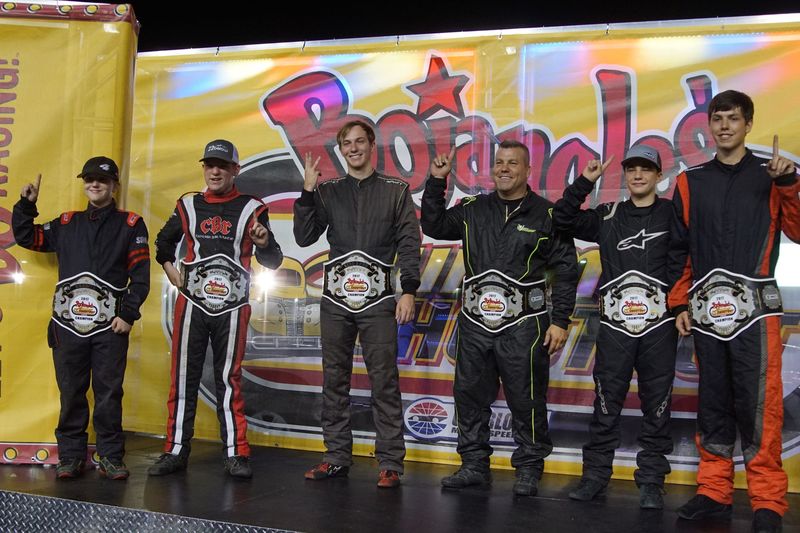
pixel 645 153
pixel 221 149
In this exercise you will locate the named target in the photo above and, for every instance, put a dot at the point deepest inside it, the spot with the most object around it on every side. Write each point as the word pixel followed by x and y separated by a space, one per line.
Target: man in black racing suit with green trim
pixel 509 231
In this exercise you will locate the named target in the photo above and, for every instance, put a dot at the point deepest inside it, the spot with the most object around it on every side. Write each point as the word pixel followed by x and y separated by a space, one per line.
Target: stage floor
pixel 279 497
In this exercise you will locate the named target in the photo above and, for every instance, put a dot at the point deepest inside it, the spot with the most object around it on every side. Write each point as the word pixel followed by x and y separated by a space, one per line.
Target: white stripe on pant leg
pixel 183 354
pixel 226 371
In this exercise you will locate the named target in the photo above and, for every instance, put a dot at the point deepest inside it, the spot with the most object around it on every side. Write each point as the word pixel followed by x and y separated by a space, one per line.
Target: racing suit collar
pixel 216 199
pixel 733 168
pixel 98 213
pixel 364 181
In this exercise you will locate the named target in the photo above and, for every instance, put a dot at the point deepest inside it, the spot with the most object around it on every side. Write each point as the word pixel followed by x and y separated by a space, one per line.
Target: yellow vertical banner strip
pixel 66 83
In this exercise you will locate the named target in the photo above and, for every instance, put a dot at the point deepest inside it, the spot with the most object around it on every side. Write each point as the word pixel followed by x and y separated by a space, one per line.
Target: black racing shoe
pixel 701 507
pixel 767 521
pixel 239 466
pixel 651 496
pixel 168 463
pixel 70 468
pixel 327 470
pixel 466 477
pixel 587 490
pixel 527 483
pixel 113 468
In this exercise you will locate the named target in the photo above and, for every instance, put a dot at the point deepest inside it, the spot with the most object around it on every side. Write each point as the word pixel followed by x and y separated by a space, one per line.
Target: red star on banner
pixel 439 91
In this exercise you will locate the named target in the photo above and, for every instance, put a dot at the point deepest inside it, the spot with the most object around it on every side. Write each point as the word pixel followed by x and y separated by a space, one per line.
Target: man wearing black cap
pixel 640 265
pixel 104 277
pixel 222 230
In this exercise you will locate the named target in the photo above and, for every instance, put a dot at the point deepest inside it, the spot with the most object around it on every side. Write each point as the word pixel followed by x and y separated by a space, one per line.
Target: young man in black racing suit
pixel 509 243
pixel 369 218
pixel 103 279
pixel 638 241
pixel 734 208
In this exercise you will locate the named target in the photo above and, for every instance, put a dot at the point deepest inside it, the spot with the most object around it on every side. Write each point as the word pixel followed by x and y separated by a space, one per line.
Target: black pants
pixel 517 356
pixel 192 330
pixel 377 331
pixel 100 359
pixel 653 357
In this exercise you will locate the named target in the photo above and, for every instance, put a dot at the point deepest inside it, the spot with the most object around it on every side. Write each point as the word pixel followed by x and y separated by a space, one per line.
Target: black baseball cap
pixel 100 167
pixel 221 149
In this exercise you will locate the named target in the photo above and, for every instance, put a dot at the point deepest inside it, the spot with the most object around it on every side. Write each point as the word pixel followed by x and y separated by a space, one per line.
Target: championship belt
pixel 724 304
pixel 356 281
pixel 633 303
pixel 494 301
pixel 86 304
pixel 215 284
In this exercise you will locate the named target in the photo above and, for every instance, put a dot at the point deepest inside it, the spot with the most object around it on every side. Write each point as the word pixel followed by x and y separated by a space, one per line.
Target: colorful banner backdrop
pixel 570 96
pixel 66 82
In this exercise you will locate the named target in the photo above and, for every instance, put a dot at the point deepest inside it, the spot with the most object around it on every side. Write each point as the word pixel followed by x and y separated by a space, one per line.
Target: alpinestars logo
pixel 639 240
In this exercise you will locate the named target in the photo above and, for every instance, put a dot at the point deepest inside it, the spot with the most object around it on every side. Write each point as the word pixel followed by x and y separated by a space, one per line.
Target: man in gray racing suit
pixel 368 218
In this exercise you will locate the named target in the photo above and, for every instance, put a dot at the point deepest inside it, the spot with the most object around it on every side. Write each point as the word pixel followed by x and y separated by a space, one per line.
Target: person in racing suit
pixel 509 242
pixel 734 208
pixel 103 257
pixel 373 215
pixel 640 253
pixel 222 230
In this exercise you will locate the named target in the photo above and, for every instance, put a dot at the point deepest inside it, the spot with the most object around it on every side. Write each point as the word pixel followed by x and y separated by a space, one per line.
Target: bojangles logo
pixel 721 309
pixel 355 285
pixel 493 305
pixel 215 225
pixel 215 288
pixel 634 308
pixel 84 308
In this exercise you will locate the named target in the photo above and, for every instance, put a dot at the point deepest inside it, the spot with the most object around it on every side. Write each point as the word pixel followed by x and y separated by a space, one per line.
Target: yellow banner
pixel 66 80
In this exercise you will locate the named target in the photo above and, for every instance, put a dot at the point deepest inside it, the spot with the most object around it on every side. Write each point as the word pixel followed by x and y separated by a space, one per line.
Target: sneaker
pixel 527 483
pixel 587 490
pixel 388 479
pixel 702 507
pixel 327 470
pixel 239 466
pixel 465 477
pixel 70 468
pixel 113 468
pixel 766 521
pixel 650 496
pixel 168 463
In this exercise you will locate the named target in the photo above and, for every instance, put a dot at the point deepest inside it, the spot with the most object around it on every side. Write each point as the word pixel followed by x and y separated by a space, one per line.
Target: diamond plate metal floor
pixel 204 498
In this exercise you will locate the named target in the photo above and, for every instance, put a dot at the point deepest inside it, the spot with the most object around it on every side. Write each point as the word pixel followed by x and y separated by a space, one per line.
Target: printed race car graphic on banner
pixel 282 368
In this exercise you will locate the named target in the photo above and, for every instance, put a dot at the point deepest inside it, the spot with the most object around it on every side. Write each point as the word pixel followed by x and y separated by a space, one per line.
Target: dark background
pixel 169 25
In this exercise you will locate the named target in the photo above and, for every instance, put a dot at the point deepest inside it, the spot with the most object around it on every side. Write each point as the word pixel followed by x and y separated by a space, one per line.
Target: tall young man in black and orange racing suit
pixel 734 208
pixel 509 244
pixel 222 230
pixel 369 218
pixel 639 251
pixel 103 279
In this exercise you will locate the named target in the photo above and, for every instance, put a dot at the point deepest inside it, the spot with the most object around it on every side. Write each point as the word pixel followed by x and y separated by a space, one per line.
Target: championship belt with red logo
pixel 633 303
pixel 724 304
pixel 356 281
pixel 215 284
pixel 494 301
pixel 86 304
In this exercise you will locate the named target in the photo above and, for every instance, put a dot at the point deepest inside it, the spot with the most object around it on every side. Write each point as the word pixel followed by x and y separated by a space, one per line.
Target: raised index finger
pixel 38 181
pixel 775 150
